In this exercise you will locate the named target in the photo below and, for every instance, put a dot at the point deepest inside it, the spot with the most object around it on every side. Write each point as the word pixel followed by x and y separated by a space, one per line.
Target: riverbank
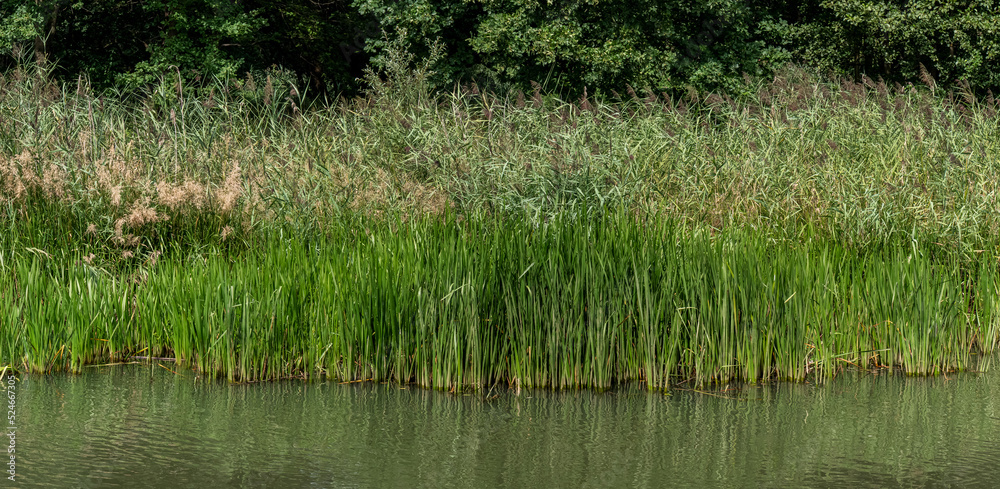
pixel 465 239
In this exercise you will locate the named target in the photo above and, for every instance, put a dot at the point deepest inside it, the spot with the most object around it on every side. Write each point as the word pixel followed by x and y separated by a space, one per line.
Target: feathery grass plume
pixel 536 96
pixel 268 90
pixel 14 187
pixel 249 85
pixel 967 93
pixel 714 101
pixel 926 77
pixel 226 195
pixel 631 93
pixel 883 91
pixel 140 215
pixel 53 182
pixel 650 100
pixel 585 102
pixel 183 196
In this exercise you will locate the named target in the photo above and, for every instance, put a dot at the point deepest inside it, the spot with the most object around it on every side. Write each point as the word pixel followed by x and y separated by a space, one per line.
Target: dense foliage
pixel 952 39
pixel 565 45
pixel 131 43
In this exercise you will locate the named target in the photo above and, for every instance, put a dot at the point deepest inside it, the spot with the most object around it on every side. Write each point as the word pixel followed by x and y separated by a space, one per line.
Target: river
pixel 144 426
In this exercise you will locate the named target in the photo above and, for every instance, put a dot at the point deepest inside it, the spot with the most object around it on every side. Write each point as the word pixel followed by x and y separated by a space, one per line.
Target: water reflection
pixel 146 427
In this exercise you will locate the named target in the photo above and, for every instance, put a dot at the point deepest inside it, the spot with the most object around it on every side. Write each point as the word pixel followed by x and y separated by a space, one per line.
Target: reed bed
pixel 470 303
pixel 464 239
pixel 863 163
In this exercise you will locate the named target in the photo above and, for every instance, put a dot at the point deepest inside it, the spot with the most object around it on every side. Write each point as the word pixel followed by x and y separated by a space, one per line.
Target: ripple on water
pixel 135 427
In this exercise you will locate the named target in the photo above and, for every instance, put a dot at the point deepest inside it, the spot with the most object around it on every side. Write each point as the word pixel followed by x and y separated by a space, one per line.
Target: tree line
pixel 562 45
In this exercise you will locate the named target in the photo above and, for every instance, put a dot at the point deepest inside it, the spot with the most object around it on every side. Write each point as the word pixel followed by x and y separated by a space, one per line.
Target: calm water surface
pixel 141 426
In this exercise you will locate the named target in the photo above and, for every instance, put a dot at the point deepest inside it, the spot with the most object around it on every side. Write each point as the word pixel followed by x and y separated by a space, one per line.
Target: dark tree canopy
pixel 564 44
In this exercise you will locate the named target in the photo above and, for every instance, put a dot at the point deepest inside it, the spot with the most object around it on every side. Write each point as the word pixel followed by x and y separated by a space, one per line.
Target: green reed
pixel 466 303
pixel 461 239
pixel 863 163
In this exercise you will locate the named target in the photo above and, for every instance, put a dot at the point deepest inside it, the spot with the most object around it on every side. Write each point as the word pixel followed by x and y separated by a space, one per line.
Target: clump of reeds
pixel 465 238
pixel 864 162
pixel 581 302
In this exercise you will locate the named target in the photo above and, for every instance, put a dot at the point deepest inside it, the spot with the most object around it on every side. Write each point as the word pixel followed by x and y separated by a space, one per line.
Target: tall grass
pixel 455 304
pixel 864 163
pixel 461 239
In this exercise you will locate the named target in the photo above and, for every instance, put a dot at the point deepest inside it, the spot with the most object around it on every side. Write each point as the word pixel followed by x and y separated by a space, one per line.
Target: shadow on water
pixel 139 426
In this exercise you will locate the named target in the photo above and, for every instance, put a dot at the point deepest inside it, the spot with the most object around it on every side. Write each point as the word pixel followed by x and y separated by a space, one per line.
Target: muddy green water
pixel 138 426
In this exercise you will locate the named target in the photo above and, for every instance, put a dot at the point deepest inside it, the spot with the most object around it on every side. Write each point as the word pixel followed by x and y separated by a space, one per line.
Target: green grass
pixel 862 163
pixel 454 304
pixel 458 240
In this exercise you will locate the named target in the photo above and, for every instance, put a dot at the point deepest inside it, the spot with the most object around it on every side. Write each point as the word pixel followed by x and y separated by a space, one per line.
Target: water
pixel 137 426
